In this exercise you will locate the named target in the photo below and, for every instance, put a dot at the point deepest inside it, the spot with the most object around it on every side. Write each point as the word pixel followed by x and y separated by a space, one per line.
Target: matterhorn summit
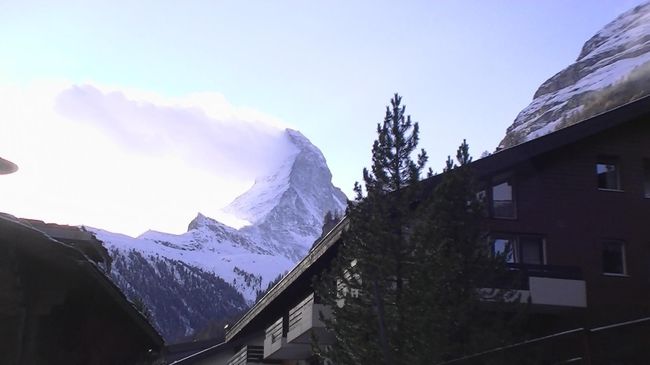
pixel 216 263
pixel 612 69
pixel 286 208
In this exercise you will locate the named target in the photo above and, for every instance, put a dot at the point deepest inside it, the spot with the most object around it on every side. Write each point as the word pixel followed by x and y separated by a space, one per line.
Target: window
pixel 520 249
pixel 614 258
pixel 646 178
pixel 531 250
pixel 503 201
pixel 608 173
pixel 504 246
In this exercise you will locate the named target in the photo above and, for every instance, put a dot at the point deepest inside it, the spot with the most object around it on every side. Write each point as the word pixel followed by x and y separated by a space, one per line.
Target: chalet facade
pixel 571 207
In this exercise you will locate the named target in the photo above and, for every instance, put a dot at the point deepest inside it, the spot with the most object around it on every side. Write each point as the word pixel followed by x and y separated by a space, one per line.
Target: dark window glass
pixel 531 250
pixel 608 175
pixel 503 203
pixel 646 178
pixel 614 258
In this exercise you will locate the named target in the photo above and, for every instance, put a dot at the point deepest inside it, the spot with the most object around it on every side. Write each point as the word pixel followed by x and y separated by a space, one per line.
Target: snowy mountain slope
pixel 190 297
pixel 212 253
pixel 285 211
pixel 608 60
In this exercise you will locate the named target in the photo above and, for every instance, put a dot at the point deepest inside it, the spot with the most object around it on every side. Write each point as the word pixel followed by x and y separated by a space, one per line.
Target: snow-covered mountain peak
pixel 304 145
pixel 202 221
pixel 286 208
pixel 613 68
pixel 304 173
pixel 631 28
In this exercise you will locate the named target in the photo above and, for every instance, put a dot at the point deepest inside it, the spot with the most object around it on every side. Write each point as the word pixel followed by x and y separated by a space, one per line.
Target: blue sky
pixel 326 68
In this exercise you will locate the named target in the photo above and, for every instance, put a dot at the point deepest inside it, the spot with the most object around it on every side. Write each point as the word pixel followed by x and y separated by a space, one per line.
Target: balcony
pixel 556 286
pixel 305 323
pixel 277 348
pixel 248 355
pixel 549 286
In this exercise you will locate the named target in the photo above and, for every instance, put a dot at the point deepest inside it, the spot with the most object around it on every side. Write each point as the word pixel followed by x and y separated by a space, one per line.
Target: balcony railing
pixel 273 338
pixel 545 285
pixel 248 355
pixel 548 271
pixel 305 322
pixel 276 346
pixel 297 313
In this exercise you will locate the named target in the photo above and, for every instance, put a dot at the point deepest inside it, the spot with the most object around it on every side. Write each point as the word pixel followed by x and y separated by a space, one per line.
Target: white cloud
pixel 127 160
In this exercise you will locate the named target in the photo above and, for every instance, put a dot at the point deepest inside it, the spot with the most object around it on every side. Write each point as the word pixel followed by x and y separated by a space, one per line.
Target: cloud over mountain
pixel 128 160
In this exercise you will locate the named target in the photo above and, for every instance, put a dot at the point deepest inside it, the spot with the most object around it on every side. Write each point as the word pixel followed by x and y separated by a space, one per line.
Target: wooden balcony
pixel 547 287
pixel 556 286
pixel 305 323
pixel 276 346
pixel 273 339
pixel 248 355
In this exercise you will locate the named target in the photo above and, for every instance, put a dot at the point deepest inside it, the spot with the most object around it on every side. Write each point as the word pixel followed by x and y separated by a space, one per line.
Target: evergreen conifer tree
pixel 367 283
pixel 408 283
pixel 455 269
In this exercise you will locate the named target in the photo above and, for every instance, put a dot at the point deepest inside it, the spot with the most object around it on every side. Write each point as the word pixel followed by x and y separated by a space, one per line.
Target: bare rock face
pixel 611 70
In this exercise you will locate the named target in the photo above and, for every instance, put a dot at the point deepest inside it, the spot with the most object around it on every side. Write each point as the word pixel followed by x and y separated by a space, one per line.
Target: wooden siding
pixel 557 197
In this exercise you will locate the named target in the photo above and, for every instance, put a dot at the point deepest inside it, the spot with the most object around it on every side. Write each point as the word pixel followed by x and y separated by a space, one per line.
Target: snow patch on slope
pixel 263 196
pixel 219 256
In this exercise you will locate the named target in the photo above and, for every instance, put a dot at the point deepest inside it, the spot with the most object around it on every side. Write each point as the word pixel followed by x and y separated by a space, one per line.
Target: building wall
pixel 557 196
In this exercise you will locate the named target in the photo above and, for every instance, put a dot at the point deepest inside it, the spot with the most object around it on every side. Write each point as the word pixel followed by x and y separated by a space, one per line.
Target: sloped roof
pixel 36 243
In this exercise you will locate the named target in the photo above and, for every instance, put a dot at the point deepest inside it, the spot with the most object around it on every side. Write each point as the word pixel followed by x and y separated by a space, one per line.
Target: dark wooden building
pixel 580 198
pixel 57 304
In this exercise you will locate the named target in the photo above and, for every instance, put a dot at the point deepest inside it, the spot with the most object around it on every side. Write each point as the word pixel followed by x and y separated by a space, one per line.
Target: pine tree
pixel 404 287
pixel 453 263
pixel 367 283
pixel 330 220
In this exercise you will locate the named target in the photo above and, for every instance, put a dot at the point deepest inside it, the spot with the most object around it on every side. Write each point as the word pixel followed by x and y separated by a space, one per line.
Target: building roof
pixel 500 161
pixel 509 157
pixel 68 253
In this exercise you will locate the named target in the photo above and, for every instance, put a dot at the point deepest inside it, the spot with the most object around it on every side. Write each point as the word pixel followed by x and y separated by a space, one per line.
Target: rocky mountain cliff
pixel 214 271
pixel 613 68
